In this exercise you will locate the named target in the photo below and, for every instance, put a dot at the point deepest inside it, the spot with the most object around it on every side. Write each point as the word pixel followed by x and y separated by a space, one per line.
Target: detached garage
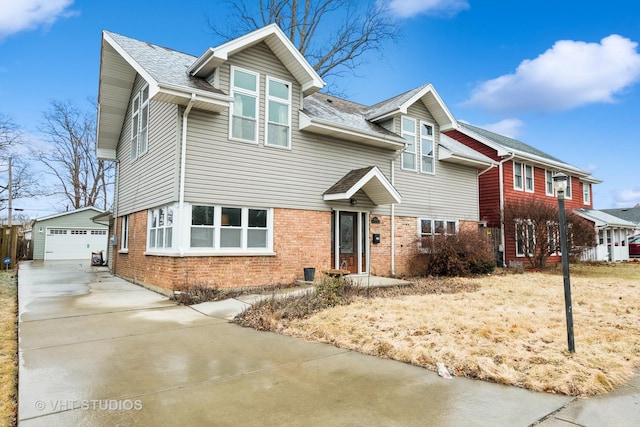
pixel 69 236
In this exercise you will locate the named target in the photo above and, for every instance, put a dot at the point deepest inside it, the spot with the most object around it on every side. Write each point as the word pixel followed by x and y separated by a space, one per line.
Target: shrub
pixel 462 254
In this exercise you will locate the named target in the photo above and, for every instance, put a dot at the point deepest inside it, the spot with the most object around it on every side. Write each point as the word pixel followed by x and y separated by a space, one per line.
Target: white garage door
pixel 74 243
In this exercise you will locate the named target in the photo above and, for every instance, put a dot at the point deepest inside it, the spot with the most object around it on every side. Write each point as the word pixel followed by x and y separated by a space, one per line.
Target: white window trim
pixel 586 193
pixel 515 187
pixel 547 181
pixel 433 146
pixel 433 229
pixel 533 179
pixel 217 221
pixel 136 152
pixel 124 234
pixel 174 225
pixel 255 94
pixel 568 194
pixel 526 224
pixel 412 133
pixel 266 112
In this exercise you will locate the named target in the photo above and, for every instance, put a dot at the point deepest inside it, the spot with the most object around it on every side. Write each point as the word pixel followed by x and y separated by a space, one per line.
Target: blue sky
pixel 563 76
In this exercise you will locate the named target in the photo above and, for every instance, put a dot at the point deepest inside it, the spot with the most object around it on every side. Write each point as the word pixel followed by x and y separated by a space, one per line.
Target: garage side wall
pixel 69 220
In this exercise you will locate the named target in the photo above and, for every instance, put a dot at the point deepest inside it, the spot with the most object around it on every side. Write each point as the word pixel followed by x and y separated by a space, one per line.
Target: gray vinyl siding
pixel 71 220
pixel 451 193
pixel 224 171
pixel 152 179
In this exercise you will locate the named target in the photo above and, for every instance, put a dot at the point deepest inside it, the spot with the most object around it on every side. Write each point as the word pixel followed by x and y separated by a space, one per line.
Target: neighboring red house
pixel 522 171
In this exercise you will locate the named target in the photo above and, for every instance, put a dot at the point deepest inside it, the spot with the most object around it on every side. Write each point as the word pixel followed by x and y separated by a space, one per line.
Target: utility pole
pixel 9 207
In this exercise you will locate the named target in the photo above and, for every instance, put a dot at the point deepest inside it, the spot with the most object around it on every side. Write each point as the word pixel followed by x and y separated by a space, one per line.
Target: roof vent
pixel 329 100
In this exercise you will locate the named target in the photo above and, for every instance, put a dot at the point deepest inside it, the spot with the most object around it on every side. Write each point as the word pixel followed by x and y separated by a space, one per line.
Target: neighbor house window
pixel 528 178
pixel 517 175
pixel 567 194
pixel 409 135
pixel 244 117
pixel 230 228
pixel 428 228
pixel 140 123
pixel 548 183
pixel 160 228
pixel 525 238
pixel 124 238
pixel 586 193
pixel 426 148
pixel 278 113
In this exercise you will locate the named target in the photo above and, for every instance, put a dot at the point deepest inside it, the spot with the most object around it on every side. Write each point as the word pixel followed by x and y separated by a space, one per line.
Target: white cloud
pixel 569 75
pixel 627 197
pixel 20 15
pixel 410 8
pixel 507 127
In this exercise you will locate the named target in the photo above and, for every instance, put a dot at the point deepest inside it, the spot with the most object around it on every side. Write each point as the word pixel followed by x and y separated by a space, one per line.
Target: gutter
pixel 183 162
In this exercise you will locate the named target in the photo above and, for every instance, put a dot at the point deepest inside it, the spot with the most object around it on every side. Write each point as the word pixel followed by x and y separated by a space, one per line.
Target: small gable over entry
pixel 370 180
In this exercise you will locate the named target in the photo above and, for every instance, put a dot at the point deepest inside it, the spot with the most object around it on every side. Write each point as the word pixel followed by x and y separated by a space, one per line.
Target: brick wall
pixel 301 239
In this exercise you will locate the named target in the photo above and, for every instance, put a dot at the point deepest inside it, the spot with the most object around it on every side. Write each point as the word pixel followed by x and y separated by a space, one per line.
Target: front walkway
pixel 96 350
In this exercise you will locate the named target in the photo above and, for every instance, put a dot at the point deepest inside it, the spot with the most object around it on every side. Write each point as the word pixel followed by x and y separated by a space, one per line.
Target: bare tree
pixel 24 182
pixel 333 35
pixel 80 177
pixel 534 223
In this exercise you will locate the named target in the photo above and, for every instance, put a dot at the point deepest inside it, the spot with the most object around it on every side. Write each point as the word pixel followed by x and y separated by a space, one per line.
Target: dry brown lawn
pixel 8 349
pixel 511 330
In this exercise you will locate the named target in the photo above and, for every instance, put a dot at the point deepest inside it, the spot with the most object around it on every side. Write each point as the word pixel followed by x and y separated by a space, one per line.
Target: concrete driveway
pixel 96 350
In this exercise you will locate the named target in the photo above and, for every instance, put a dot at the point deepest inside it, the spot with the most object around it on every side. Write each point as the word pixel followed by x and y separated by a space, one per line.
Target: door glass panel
pixel 346 234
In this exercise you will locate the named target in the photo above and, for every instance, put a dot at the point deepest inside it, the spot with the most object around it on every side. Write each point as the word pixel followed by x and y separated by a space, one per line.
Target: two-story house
pixel 233 169
pixel 523 172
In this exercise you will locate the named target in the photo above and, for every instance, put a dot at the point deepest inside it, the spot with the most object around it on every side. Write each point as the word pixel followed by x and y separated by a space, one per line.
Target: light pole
pixel 560 184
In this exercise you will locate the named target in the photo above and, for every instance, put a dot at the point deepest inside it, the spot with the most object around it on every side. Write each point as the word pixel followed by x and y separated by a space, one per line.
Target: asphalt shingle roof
pixel 629 214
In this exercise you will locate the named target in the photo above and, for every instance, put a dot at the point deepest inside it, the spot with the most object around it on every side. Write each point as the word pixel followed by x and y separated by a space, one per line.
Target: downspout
pixel 183 163
pixel 116 194
pixel 502 236
pixel 393 216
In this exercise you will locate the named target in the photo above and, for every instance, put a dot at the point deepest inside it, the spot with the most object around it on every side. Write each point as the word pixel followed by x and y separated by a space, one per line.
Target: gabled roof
pixel 505 146
pixel 371 180
pixel 277 41
pixel 328 115
pixel 165 71
pixel 456 152
pixel 400 104
pixel 86 208
pixel 602 219
pixel 628 214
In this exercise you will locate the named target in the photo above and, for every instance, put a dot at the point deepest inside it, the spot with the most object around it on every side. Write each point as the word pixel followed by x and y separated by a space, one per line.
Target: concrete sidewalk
pixel 96 350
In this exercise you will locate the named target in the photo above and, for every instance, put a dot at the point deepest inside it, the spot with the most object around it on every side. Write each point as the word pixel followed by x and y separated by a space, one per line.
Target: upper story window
pixel 278 113
pixel 567 193
pixel 160 228
pixel 427 163
pixel 548 183
pixel 528 178
pixel 244 120
pixel 409 134
pixel 140 123
pixel 517 175
pixel 586 193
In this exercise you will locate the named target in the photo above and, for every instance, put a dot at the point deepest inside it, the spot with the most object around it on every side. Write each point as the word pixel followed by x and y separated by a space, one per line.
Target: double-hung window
pixel 426 148
pixel 548 183
pixel 525 238
pixel 244 120
pixel 226 228
pixel 140 123
pixel 160 227
pixel 517 175
pixel 567 193
pixel 586 193
pixel 528 178
pixel 278 113
pixel 409 135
